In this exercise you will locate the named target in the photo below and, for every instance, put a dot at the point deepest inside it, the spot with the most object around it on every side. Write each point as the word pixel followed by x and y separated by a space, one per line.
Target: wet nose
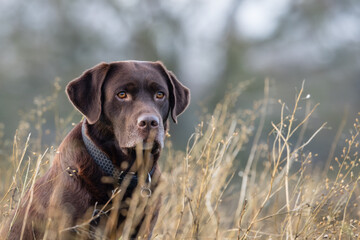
pixel 148 121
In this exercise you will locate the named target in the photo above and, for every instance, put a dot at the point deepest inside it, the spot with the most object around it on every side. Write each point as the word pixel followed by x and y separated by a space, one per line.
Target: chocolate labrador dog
pixel 109 160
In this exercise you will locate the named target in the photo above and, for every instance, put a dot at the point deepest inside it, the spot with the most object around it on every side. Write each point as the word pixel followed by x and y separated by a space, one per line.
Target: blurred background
pixel 210 45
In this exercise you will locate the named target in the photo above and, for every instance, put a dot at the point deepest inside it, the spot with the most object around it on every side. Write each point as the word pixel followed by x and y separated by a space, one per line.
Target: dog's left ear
pixel 179 94
pixel 84 92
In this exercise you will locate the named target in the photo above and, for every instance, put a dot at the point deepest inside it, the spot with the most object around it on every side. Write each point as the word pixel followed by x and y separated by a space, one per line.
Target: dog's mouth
pixel 154 148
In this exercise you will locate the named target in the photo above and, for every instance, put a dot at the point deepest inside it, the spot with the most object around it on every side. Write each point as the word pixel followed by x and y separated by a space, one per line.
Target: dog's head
pixel 132 99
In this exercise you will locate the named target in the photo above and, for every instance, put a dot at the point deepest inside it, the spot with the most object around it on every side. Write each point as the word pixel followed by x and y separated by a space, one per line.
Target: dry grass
pixel 229 183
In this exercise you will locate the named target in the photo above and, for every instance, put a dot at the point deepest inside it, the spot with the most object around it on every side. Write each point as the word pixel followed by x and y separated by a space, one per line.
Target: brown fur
pixel 67 193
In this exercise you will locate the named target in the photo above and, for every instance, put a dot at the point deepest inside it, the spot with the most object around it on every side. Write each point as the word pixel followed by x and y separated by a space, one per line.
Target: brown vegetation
pixel 280 194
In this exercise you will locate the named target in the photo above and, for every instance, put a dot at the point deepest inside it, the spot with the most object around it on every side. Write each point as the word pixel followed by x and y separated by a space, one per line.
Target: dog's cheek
pixel 161 138
pixel 120 133
pixel 165 110
pixel 125 135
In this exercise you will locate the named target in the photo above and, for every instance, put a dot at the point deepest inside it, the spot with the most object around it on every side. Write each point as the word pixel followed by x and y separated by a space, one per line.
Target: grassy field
pixel 210 190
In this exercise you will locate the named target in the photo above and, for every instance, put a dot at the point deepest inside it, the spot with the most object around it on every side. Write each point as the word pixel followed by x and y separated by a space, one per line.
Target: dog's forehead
pixel 135 71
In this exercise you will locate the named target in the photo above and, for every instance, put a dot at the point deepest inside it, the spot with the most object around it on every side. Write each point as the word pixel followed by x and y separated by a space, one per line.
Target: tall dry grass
pixel 233 180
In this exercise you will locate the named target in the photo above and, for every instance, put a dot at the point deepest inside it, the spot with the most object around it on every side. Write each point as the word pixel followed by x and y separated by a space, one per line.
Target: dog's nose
pixel 148 121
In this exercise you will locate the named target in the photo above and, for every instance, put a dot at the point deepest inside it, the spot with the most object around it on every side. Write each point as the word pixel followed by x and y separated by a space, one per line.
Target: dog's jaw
pixel 132 138
pixel 154 149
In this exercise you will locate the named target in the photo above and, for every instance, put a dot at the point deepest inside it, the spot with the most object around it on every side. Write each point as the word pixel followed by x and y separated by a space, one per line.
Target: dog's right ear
pixel 84 92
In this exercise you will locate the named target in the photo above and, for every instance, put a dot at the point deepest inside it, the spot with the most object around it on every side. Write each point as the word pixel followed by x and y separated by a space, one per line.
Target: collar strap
pixel 106 165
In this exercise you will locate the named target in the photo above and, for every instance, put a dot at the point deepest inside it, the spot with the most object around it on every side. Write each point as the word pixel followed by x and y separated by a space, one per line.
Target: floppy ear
pixel 179 94
pixel 84 92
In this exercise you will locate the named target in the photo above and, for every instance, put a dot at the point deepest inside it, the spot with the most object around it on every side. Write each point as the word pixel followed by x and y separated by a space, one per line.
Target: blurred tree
pixel 210 45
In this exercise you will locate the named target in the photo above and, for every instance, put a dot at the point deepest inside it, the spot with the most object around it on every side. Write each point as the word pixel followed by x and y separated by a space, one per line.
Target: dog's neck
pixel 108 168
pixel 103 138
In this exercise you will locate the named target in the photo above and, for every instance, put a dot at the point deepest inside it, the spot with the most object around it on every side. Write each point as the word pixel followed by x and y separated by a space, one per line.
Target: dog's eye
pixel 122 95
pixel 160 95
